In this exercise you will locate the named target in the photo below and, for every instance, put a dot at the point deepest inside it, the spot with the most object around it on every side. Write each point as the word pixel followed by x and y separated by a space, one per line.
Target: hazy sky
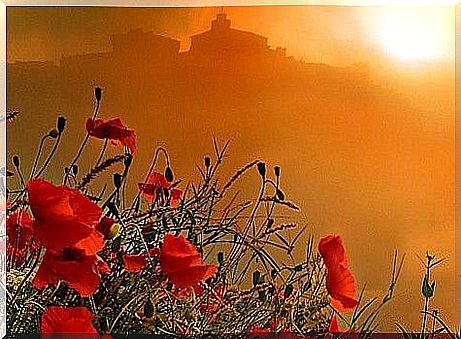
pixel 330 34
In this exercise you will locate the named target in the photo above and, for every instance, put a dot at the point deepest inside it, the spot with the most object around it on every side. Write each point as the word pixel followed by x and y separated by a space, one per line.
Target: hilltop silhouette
pixel 220 49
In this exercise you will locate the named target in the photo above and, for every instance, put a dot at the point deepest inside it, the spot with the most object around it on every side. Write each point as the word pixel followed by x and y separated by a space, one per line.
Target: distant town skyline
pixel 309 33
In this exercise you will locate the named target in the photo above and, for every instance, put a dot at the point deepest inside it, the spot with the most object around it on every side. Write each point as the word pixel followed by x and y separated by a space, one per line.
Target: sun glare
pixel 414 36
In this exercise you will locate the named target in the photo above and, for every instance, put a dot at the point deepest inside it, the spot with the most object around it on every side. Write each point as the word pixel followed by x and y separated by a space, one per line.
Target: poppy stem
pixel 151 169
pixel 37 157
pixel 101 155
pixel 82 146
pixel 50 156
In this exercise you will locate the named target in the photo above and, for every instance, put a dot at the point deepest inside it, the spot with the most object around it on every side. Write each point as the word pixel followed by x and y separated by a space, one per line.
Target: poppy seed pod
pixel 169 174
pixel 298 268
pixel 53 133
pixel 288 290
pixel 220 257
pixel 256 277
pixel 61 124
pixel 270 223
pixel 16 160
pixel 262 169
pixel 98 93
pixel 277 171
pixel 280 195
pixel 207 162
pixel 117 180
pixel 127 161
pixel 113 209
pixel 74 169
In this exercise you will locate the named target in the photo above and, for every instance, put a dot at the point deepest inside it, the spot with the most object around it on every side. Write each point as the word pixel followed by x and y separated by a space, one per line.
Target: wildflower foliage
pixel 181 258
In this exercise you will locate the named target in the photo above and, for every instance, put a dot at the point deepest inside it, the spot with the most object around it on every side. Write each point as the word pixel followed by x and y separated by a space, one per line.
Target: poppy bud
pixel 169 174
pixel 16 160
pixel 61 124
pixel 270 223
pixel 277 171
pixel 280 195
pixel 428 289
pixel 262 169
pixel 117 180
pixel 113 209
pixel 74 169
pixel 220 258
pixel 127 161
pixel 256 277
pixel 207 162
pixel 53 133
pixel 148 309
pixel 288 290
pixel 98 93
pixel 298 268
pixel 307 286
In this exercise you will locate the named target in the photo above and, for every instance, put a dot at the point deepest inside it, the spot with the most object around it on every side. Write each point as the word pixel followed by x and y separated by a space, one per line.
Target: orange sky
pixel 337 35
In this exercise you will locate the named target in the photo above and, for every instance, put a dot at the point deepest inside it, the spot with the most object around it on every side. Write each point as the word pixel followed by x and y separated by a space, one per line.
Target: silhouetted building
pixel 218 53
pixel 223 39
pixel 145 44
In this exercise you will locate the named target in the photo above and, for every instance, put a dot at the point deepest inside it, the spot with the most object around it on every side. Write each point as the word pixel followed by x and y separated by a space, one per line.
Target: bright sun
pixel 414 36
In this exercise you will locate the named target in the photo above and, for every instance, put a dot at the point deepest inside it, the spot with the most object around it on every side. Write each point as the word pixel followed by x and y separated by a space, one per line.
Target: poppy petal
pixel 58 319
pixel 340 282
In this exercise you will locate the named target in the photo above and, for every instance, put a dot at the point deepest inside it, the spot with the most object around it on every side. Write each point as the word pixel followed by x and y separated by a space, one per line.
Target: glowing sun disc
pixel 413 36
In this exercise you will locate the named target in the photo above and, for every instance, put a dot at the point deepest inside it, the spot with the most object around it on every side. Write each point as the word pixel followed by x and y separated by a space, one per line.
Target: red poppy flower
pixel 64 217
pixel 114 130
pixel 175 196
pixel 340 282
pixel 155 183
pixel 334 327
pixel 181 262
pixel 58 319
pixel 136 262
pixel 104 226
pixel 20 239
pixel 79 271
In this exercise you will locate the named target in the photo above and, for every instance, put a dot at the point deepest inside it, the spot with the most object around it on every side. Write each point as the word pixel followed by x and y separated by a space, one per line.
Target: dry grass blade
pixel 237 175
pixel 98 169
pixel 286 203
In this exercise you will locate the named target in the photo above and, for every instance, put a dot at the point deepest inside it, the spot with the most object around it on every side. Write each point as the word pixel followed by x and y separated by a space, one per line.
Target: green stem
pixel 50 156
